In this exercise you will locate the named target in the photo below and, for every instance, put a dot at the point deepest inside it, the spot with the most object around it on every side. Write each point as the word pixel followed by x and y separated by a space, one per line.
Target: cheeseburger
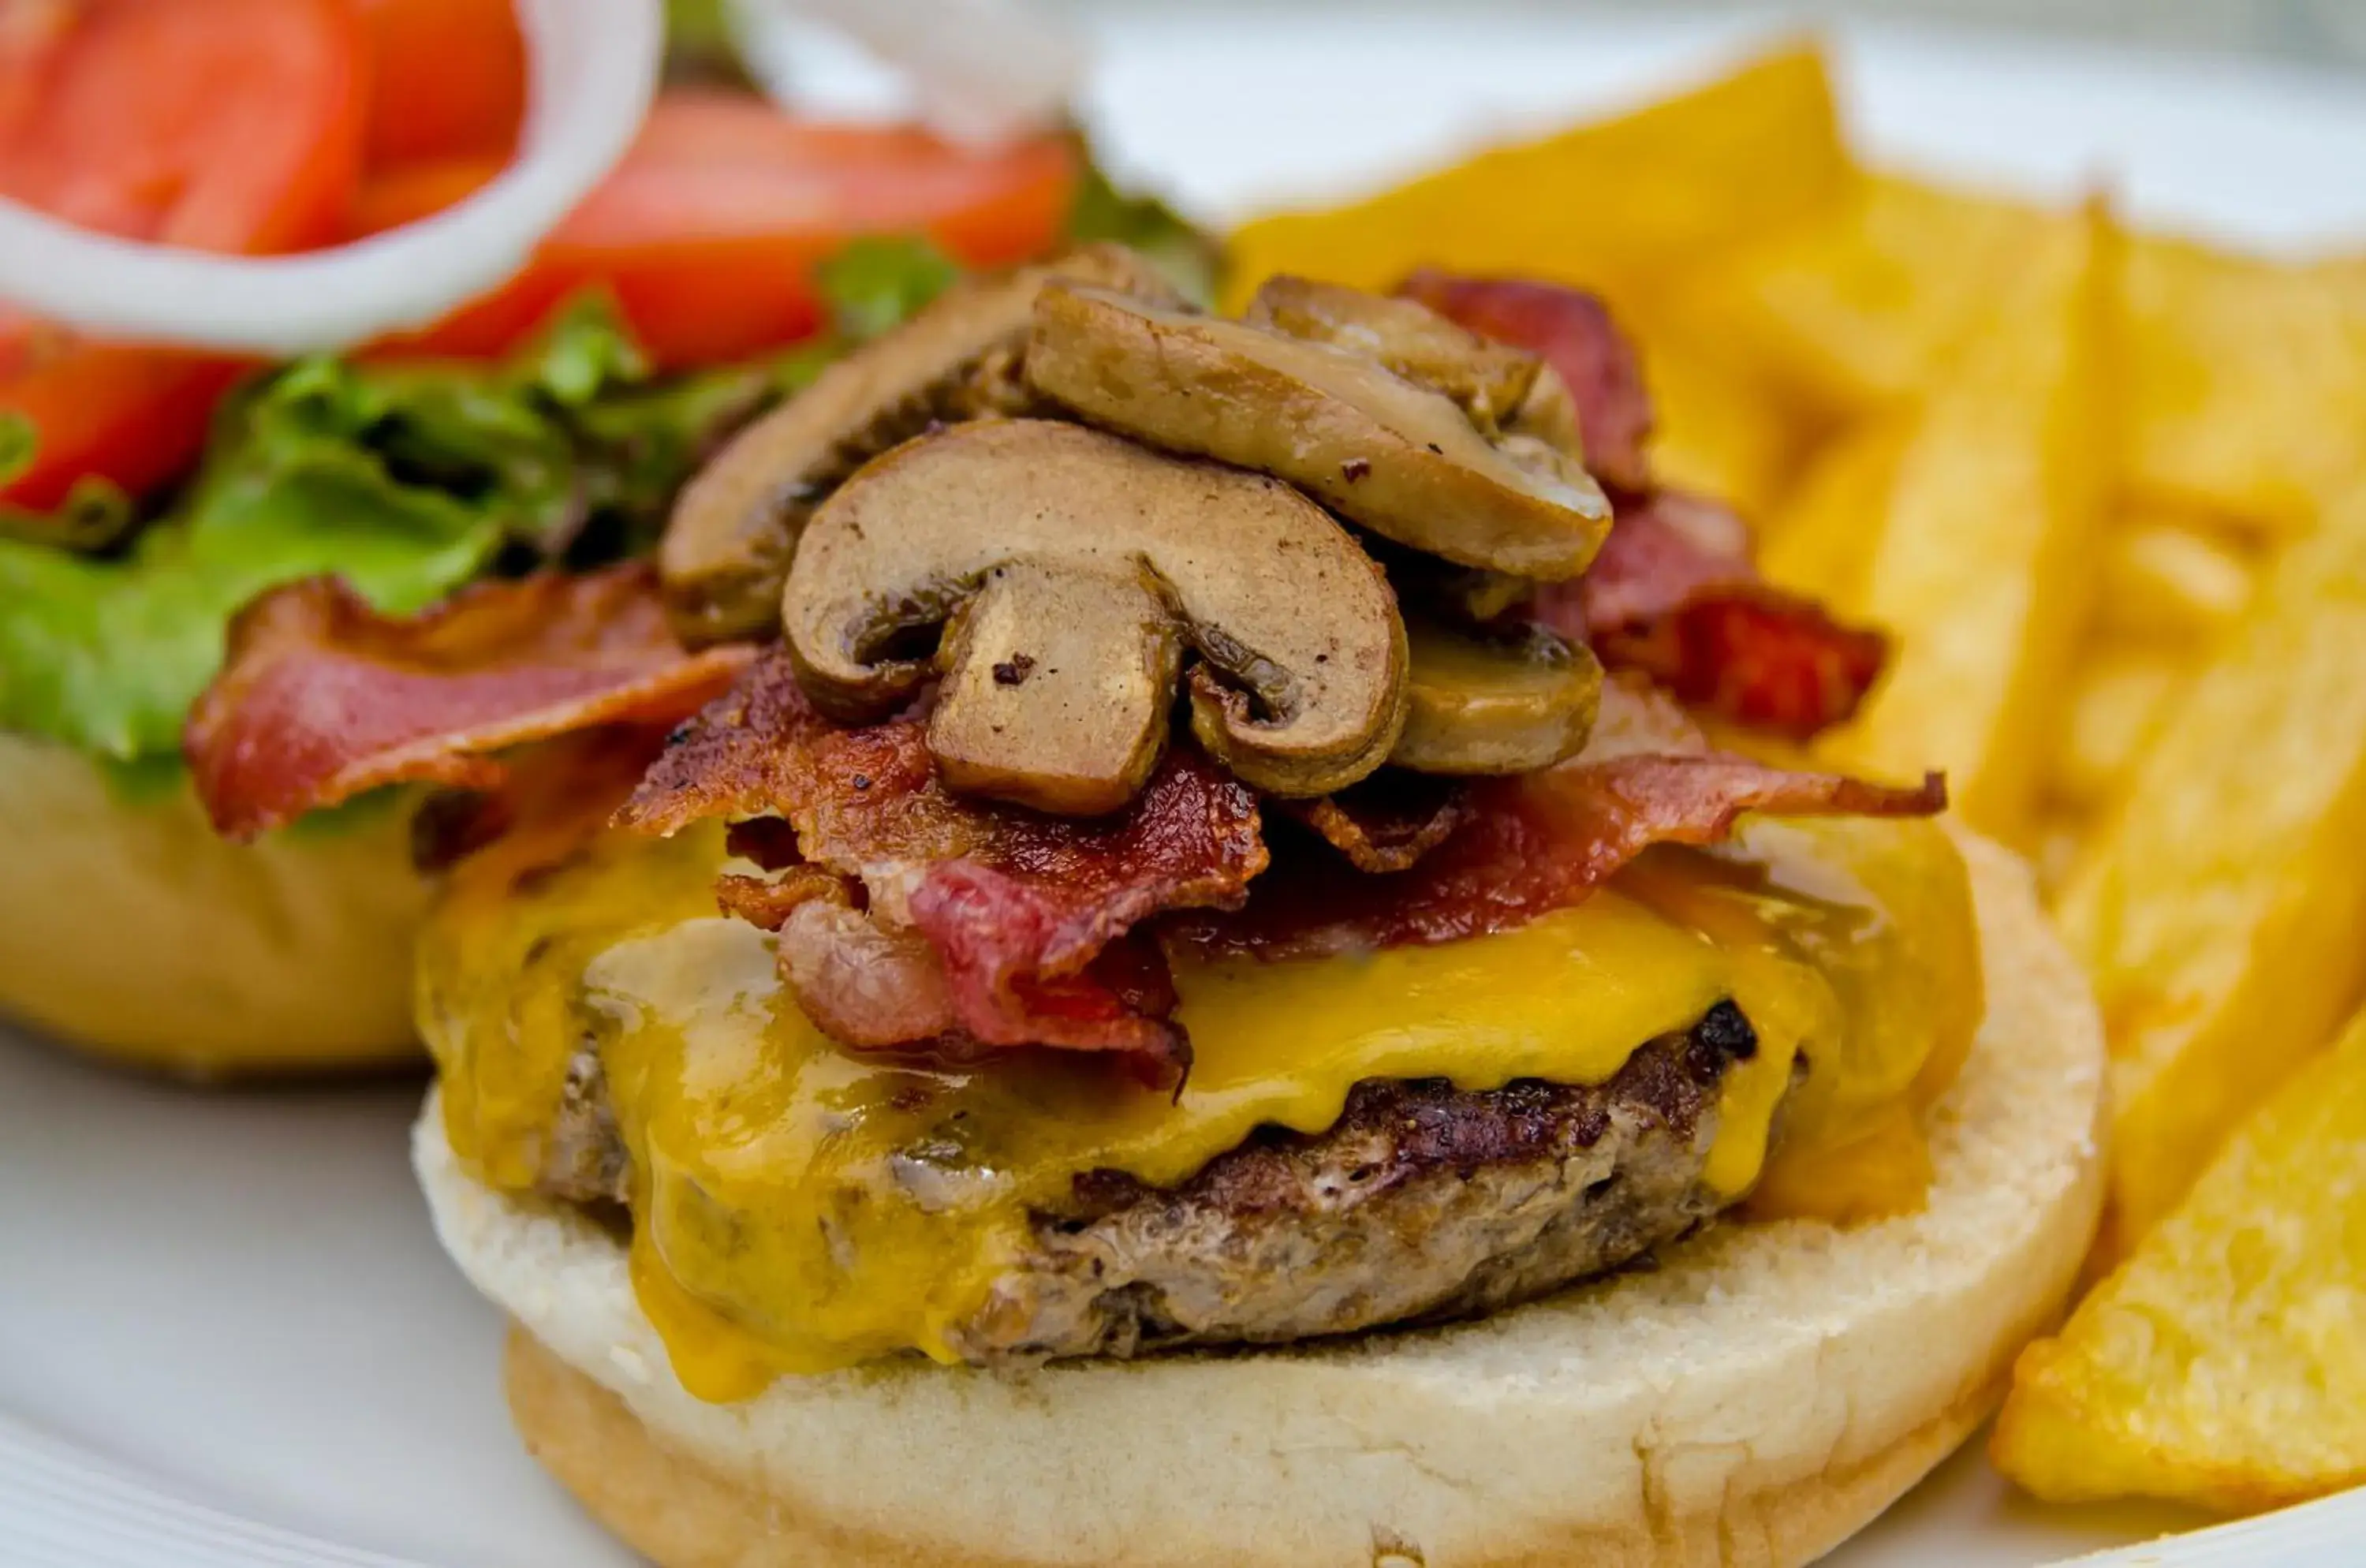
pixel 1231 979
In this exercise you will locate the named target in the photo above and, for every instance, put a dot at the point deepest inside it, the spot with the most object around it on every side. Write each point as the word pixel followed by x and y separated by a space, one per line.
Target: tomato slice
pixel 135 416
pixel 221 125
pixel 448 80
pixel 708 231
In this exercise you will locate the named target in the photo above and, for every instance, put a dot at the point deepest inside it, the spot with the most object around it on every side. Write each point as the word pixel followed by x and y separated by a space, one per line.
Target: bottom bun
pixel 1756 1399
pixel 128 928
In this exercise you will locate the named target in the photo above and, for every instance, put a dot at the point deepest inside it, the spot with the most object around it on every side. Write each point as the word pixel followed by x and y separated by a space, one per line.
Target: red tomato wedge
pixel 136 416
pixel 708 231
pixel 223 125
pixel 220 125
pixel 447 79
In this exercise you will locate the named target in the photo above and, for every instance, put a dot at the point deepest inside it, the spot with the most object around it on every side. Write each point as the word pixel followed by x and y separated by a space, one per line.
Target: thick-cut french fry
pixel 2246 383
pixel 1623 201
pixel 1985 557
pixel 2220 910
pixel 1716 430
pixel 2117 696
pixel 2168 579
pixel 1820 539
pixel 2054 850
pixel 1864 307
pixel 2224 1364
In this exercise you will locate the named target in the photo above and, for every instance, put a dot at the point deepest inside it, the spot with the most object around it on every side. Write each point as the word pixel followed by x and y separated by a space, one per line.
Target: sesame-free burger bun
pixel 130 928
pixel 1762 1394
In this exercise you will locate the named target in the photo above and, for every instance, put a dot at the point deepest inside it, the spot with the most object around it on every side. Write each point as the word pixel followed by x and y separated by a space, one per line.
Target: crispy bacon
pixel 1385 822
pixel 859 983
pixel 1571 331
pixel 770 901
pixel 748 753
pixel 322 698
pixel 866 802
pixel 1533 845
pixel 1022 911
pixel 878 989
pixel 551 800
pixel 1676 592
pixel 1675 595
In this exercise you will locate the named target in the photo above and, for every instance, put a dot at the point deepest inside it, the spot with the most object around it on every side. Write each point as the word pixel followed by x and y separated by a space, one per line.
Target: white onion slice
pixel 593 66
pixel 983 72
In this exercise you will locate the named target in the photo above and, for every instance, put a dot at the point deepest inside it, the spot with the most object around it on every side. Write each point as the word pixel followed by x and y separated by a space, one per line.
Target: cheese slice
pixel 798 1208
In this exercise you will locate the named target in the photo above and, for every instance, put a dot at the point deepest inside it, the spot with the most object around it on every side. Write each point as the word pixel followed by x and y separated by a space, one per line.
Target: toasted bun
pixel 126 927
pixel 1757 1398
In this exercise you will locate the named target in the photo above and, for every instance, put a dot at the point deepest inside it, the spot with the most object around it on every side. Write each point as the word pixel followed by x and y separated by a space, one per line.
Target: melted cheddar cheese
pixel 797 1208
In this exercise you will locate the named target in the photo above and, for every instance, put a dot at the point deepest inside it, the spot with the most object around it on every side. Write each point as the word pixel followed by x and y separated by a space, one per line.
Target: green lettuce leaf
pixel 878 282
pixel 407 480
pixel 17 438
pixel 410 479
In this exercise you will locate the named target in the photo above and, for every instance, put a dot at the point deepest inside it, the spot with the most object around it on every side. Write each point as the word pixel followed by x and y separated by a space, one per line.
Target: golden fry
pixel 2247 384
pixel 2117 696
pixel 1867 306
pixel 2219 910
pixel 1985 557
pixel 1715 430
pixel 2167 579
pixel 1620 201
pixel 2054 850
pixel 2225 1363
pixel 1819 540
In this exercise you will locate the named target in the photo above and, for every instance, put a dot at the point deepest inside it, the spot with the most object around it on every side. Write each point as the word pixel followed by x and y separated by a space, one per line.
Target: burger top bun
pixel 129 929
pixel 1764 1393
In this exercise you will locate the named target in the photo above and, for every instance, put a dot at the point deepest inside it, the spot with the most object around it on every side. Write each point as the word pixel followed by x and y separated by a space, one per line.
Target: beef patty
pixel 1422 1202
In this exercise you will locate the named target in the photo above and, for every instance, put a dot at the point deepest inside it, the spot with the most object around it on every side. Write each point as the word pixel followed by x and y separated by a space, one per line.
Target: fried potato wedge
pixel 1819 540
pixel 1716 430
pixel 1863 308
pixel 1627 198
pixel 2219 908
pixel 2170 579
pixel 1986 548
pixel 2054 850
pixel 2246 383
pixel 2117 696
pixel 2224 1364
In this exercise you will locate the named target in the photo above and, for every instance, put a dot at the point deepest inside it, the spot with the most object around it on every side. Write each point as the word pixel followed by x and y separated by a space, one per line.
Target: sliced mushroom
pixel 1512 397
pixel 1471 596
pixel 1073 566
pixel 1402 459
pixel 1495 705
pixel 1549 413
pixel 735 525
pixel 1059 679
pixel 1467 596
pixel 1488 379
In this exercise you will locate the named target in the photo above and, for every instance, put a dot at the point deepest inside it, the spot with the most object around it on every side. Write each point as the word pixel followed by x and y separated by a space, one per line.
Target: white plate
pixel 223 1320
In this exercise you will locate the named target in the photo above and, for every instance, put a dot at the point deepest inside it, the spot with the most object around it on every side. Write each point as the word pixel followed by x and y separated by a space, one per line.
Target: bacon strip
pixel 322 698
pixel 1386 822
pixel 1023 912
pixel 1675 595
pixel 550 802
pixel 877 990
pixel 1676 592
pixel 1571 331
pixel 1531 845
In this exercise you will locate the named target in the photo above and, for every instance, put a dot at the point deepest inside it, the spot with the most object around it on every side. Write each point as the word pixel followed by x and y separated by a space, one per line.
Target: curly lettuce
pixel 407 481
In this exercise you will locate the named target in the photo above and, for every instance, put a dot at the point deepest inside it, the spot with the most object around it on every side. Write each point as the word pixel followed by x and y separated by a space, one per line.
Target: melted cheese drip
pixel 797 1208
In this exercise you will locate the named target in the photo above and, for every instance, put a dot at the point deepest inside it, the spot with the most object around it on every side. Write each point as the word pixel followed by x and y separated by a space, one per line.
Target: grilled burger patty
pixel 1421 1201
